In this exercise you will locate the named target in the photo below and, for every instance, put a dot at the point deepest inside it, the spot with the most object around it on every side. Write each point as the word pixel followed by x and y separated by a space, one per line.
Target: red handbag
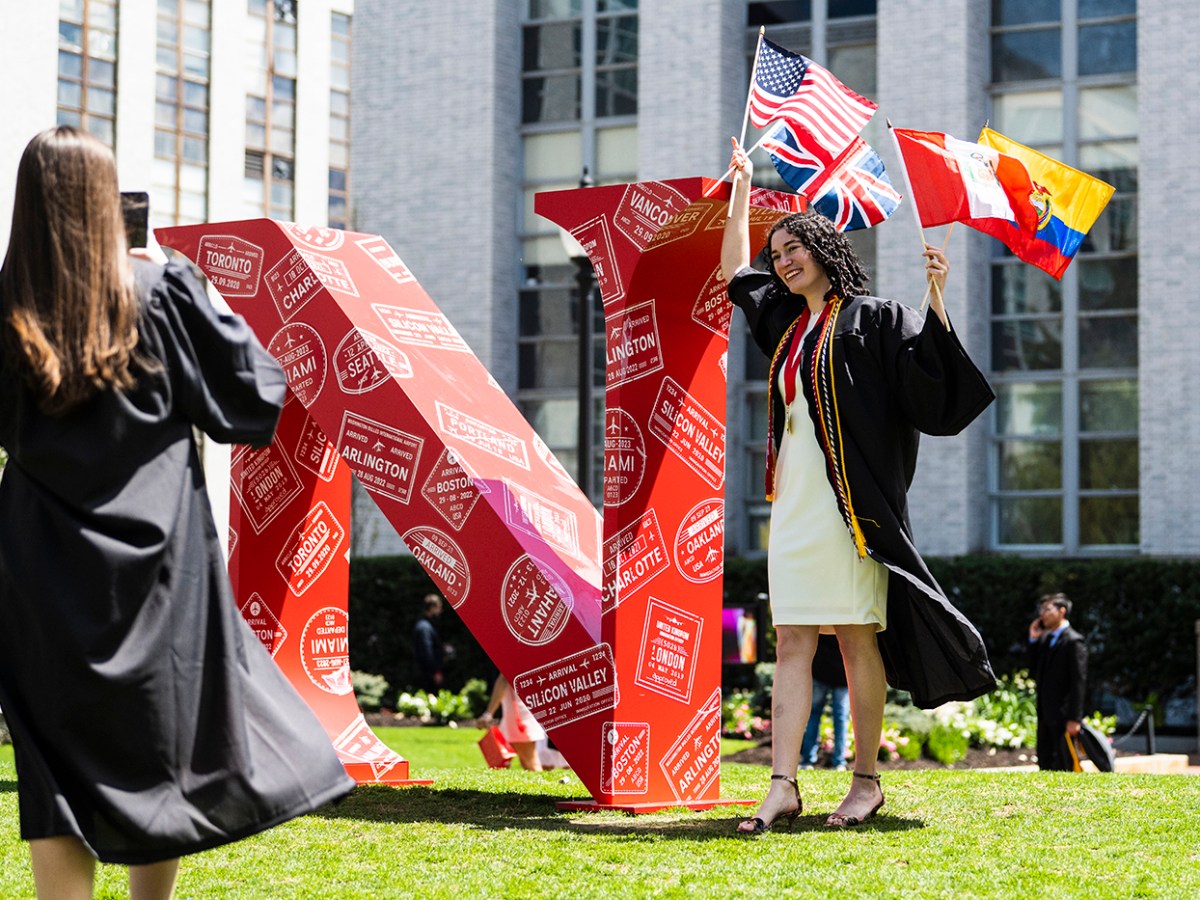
pixel 496 749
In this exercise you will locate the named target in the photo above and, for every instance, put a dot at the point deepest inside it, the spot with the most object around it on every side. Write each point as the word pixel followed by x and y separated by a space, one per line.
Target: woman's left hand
pixel 937 267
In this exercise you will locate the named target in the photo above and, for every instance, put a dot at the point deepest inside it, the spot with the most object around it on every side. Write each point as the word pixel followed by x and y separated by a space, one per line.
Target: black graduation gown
pixel 1061 675
pixel 147 718
pixel 895 374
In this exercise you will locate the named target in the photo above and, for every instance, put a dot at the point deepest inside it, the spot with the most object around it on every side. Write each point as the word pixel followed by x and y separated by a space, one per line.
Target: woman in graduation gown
pixel 148 721
pixel 853 380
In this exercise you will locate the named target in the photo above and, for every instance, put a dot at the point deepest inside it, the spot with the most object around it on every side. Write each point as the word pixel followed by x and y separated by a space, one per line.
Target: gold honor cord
pixel 824 383
pixel 773 376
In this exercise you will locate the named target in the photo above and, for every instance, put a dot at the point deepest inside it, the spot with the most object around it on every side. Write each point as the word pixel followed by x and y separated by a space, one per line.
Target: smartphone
pixel 135 206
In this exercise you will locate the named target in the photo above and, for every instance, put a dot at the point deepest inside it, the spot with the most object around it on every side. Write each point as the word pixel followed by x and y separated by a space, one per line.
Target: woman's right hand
pixel 740 162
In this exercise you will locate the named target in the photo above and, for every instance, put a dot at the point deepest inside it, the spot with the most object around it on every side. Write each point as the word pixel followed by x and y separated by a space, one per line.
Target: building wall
pixel 1168 278
pixel 938 90
pixel 29 57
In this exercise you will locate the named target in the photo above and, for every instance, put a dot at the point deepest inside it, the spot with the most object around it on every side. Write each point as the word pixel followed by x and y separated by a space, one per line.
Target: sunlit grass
pixel 482 833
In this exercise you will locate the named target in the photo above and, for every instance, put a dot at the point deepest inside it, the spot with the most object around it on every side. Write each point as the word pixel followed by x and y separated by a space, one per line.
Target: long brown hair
pixel 68 307
pixel 829 247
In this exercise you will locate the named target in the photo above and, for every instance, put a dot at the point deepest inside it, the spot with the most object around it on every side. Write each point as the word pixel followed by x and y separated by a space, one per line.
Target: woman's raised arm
pixel 735 245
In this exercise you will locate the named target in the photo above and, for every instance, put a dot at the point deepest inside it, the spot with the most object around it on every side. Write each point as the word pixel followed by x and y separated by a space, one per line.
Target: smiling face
pixel 796 267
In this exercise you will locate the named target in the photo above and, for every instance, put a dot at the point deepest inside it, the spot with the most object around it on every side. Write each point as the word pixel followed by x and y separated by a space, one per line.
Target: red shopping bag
pixel 496 749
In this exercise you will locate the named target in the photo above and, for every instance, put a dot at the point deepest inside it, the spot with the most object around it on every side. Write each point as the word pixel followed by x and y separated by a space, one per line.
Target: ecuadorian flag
pixel 1067 201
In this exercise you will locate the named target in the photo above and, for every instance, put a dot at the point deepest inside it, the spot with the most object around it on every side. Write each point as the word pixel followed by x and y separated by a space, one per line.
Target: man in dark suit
pixel 1058 660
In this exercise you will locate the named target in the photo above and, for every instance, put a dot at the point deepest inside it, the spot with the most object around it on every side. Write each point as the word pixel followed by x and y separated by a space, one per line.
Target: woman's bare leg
pixel 63 869
pixel 155 881
pixel 868 693
pixel 527 753
pixel 791 699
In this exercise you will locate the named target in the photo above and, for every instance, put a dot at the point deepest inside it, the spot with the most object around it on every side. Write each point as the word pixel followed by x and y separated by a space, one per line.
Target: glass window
pixel 1021 288
pixel 1027 55
pixel 553 9
pixel 1108 112
pixel 558 155
pixel 1095 9
pixel 845 9
pixel 1030 520
pixel 1106 284
pixel 1037 116
pixel 556 45
pixel 1108 465
pixel 616 40
pixel 779 12
pixel 1030 465
pixel 616 92
pixel 1029 408
pixel 1108 342
pixel 554 98
pixel 1111 47
pixel 616 154
pixel 1109 405
pixel 1027 346
pixel 1025 12
pixel 1111 521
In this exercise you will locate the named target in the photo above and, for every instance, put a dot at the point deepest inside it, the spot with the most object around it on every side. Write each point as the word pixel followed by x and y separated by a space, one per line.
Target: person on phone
pixel 1058 661
pixel 853 380
pixel 148 721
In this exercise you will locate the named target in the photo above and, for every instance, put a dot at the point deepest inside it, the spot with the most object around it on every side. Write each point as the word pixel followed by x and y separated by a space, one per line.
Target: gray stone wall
pixel 932 76
pixel 1169 277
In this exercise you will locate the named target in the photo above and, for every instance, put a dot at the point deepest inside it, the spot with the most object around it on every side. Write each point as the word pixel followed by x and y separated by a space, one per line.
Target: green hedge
pixel 1138 614
pixel 385 603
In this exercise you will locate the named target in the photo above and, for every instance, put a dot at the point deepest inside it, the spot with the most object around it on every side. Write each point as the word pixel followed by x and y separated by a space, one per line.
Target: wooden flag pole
pixel 945 244
pixel 729 171
pixel 750 93
pixel 916 213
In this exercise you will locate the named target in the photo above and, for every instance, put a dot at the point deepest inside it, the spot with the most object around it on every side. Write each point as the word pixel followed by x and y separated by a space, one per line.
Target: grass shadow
pixel 7 786
pixel 493 811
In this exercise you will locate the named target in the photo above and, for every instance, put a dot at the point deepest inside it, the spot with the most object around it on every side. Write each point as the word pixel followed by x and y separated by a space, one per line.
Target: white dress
pixel 517 723
pixel 814 573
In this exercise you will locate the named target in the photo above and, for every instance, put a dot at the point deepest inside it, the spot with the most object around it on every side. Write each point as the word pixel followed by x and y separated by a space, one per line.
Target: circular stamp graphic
pixel 325 650
pixel 700 542
pixel 443 560
pixel 535 602
pixel 356 364
pixel 315 238
pixel 624 456
pixel 301 353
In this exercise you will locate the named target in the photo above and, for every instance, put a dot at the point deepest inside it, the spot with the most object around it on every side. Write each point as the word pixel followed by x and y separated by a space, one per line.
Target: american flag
pixel 825 114
pixel 853 192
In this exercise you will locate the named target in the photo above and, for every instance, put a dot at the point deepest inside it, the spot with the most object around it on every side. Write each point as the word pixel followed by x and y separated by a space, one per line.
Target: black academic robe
pixel 1061 675
pixel 891 375
pixel 147 718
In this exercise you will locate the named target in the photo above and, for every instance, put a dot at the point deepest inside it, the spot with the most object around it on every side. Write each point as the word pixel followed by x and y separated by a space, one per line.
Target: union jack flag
pixel 825 115
pixel 853 192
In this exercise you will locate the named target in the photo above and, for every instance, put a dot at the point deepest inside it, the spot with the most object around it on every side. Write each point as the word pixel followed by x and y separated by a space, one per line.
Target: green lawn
pixel 478 833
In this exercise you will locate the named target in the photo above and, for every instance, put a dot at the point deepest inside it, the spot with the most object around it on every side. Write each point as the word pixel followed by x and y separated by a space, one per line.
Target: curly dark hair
pixel 828 246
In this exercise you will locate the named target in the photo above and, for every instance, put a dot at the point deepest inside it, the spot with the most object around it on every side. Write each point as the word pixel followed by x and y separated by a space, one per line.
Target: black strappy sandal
pixel 836 820
pixel 761 827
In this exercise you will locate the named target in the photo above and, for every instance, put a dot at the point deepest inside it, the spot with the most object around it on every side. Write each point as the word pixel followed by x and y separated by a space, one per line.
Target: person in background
pixel 517 724
pixel 829 686
pixel 429 654
pixel 1058 661
pixel 147 718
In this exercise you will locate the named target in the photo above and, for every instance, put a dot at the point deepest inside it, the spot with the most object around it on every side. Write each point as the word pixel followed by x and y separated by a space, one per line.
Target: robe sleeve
pixel 937 387
pixel 1078 673
pixel 225 382
pixel 751 291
